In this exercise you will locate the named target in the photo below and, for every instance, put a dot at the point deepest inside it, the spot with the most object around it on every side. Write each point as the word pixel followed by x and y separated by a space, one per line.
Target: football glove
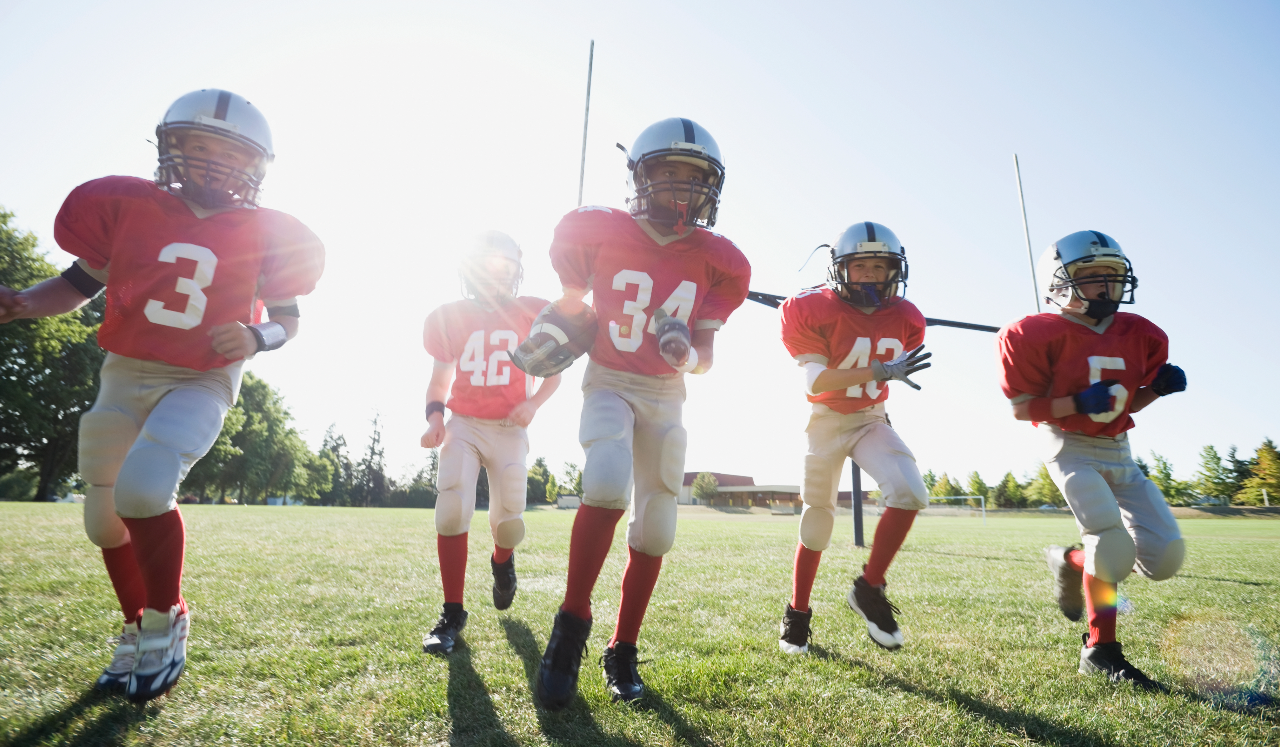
pixel 1169 379
pixel 1096 399
pixel 674 338
pixel 901 367
pixel 555 341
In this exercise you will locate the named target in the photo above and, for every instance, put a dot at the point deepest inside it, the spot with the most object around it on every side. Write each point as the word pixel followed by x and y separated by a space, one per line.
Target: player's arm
pixel 831 379
pixel 1170 379
pixel 437 392
pixel 234 340
pixel 522 414
pixel 571 303
pixel 1058 407
pixel 49 298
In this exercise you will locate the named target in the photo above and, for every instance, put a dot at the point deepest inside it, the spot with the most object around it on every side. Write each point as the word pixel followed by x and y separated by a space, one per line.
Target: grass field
pixel 307 628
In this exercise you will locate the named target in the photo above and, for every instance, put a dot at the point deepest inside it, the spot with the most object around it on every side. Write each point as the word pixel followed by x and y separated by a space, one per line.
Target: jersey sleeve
pixel 1157 354
pixel 728 290
pixel 1025 368
pixel 293 263
pixel 804 340
pixel 574 249
pixel 86 223
pixel 915 325
pixel 435 336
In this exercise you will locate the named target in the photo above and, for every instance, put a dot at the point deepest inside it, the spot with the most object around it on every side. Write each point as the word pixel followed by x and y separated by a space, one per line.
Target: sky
pixel 402 129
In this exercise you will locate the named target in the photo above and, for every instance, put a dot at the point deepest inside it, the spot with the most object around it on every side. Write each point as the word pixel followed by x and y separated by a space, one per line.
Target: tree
pixel 1008 494
pixel 333 450
pixel 48 370
pixel 1041 490
pixel 417 490
pixel 1176 492
pixel 706 487
pixel 1241 470
pixel 537 481
pixel 273 458
pixel 1214 480
pixel 371 486
pixel 553 489
pixel 977 486
pixel 214 470
pixel 930 480
pixel 944 487
pixel 1146 471
pixel 1266 476
pixel 572 479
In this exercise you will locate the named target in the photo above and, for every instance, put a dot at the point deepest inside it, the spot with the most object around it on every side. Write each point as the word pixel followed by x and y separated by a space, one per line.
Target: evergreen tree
pixel 944 487
pixel 1008 493
pixel 1266 476
pixel 334 451
pixel 553 489
pixel 1042 491
pixel 536 494
pixel 930 480
pixel 371 486
pixel 705 487
pixel 572 482
pixel 1241 470
pixel 1214 480
pixel 1176 492
pixel 977 486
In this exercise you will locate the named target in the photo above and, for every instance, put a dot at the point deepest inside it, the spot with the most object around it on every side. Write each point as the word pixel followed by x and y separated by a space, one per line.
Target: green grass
pixel 307 626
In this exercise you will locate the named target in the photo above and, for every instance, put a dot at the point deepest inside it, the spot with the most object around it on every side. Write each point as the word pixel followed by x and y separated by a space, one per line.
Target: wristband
pixel 269 335
pixel 690 363
pixel 433 407
pixel 1040 409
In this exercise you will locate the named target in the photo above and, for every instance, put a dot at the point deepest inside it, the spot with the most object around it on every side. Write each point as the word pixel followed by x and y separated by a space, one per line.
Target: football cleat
pixel 116 676
pixel 558 674
pixel 504 582
pixel 870 602
pixel 555 341
pixel 448 628
pixel 1108 658
pixel 161 655
pixel 1068 583
pixel 794 632
pixel 621 675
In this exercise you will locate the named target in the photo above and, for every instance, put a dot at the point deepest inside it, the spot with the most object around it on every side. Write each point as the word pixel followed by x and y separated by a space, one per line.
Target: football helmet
pixel 863 240
pixel 224 115
pixel 1068 255
pixel 676 139
pixel 483 269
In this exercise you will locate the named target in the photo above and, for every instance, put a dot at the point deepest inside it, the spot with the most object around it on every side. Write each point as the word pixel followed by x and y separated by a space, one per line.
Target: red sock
pixel 502 554
pixel 453 565
pixel 126 579
pixel 1100 604
pixel 158 545
pixel 891 532
pixel 588 547
pixel 806 570
pixel 638 580
pixel 1075 559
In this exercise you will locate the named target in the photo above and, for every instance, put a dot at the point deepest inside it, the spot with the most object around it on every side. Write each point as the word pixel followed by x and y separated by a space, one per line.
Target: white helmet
pixel 676 139
pixel 225 115
pixel 1059 264
pixel 861 240
pixel 475 269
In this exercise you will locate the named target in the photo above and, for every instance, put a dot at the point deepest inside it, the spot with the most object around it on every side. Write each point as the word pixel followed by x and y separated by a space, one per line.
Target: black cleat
pixel 870 602
pixel 1068 583
pixel 447 630
pixel 1108 658
pixel 504 582
pixel 621 677
pixel 794 631
pixel 558 674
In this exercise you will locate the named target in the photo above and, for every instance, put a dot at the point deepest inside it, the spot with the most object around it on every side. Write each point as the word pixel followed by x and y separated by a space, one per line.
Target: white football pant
pixel 472 443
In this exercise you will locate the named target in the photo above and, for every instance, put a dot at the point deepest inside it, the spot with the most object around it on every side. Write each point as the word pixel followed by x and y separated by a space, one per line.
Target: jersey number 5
pixel 192 287
pixel 1098 364
pixel 679 304
pixel 473 359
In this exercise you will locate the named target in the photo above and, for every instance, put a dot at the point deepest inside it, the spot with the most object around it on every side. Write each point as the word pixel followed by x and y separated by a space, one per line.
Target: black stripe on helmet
pixel 1102 240
pixel 224 103
pixel 871 230
pixel 688 130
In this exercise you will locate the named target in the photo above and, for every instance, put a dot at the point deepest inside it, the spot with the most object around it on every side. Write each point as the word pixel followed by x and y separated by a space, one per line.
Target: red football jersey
pixel 818 326
pixel 1049 355
pixel 173 276
pixel 699 279
pixel 485 383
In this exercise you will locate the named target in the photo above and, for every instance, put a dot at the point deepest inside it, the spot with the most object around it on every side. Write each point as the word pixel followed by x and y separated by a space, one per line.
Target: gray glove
pixel 901 367
pixel 674 338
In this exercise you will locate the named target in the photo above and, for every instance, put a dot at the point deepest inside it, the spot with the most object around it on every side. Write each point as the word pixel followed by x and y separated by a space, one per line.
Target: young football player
pixel 851 335
pixel 186 260
pixel 1078 374
pixel 492 404
pixel 661 285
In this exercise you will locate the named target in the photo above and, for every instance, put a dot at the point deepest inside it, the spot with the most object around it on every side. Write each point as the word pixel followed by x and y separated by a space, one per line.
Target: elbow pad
pixel 812 370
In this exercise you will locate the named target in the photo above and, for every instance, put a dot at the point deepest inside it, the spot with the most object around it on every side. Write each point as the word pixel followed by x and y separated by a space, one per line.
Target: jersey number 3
pixel 192 287
pixel 679 304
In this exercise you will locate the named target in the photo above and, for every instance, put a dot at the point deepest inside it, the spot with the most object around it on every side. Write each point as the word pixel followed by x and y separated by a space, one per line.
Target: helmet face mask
pixel 1061 268
pixel 220 116
pixel 681 203
pixel 868 240
pixel 491 269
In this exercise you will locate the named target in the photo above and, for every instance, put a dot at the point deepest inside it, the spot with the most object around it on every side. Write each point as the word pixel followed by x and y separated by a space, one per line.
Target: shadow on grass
pixel 920 551
pixel 1016 722
pixel 1227 580
pixel 573 725
pixel 654 703
pixel 109 725
pixel 475 722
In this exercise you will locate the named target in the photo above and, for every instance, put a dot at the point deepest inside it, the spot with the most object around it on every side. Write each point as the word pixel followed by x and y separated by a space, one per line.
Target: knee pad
pixel 1109 555
pixel 509 533
pixel 105 439
pixel 1166 564
pixel 658 526
pixel 100 521
pixel 816 524
pixel 148 482
pixel 606 476
pixel 451 519
pixel 671 460
pixel 512 482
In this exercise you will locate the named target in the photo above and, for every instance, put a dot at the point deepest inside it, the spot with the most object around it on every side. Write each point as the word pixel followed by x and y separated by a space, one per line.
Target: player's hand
pixel 1096 399
pixel 674 338
pixel 12 304
pixel 434 436
pixel 901 367
pixel 522 414
pixel 1169 379
pixel 233 340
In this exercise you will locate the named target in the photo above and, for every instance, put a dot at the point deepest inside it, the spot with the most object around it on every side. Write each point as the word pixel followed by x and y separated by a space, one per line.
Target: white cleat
pixel 116 676
pixel 162 653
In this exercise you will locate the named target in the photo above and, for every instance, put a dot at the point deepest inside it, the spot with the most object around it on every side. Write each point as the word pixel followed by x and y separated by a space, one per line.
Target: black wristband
pixel 434 407
pixel 84 283
pixel 269 335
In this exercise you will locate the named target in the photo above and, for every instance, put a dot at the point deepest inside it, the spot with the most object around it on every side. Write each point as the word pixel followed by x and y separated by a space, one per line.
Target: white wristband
pixel 691 363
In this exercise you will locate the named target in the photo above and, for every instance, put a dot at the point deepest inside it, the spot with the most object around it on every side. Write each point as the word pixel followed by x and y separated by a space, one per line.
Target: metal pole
pixel 1026 232
pixel 586 117
pixel 856 504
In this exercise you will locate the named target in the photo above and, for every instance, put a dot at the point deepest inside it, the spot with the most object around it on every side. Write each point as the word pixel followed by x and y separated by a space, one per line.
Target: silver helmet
pixel 676 139
pixel 867 240
pixel 476 272
pixel 1060 263
pixel 225 115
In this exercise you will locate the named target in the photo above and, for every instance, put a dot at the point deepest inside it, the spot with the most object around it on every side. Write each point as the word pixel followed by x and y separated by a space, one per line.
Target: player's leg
pixel 455 506
pixel 881 453
pixel 1159 547
pixel 180 429
pixel 505 453
pixel 606 432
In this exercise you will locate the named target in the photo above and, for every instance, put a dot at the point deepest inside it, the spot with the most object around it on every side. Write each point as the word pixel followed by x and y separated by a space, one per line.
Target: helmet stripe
pixel 224 103
pixel 688 130
pixel 1102 240
pixel 871 230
